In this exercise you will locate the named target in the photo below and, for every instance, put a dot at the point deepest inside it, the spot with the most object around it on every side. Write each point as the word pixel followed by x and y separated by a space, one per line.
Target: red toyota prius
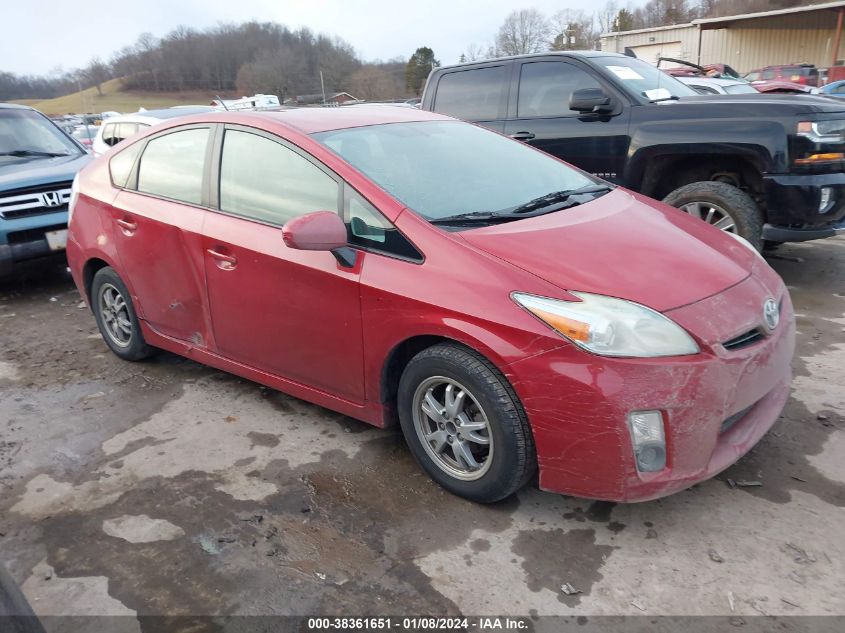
pixel 511 312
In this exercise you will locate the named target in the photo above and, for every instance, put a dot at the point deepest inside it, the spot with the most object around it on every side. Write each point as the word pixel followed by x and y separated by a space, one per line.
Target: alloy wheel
pixel 453 428
pixel 115 314
pixel 712 214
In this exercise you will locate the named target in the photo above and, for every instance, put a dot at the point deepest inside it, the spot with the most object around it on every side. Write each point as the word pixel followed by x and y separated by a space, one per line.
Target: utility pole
pixel 323 87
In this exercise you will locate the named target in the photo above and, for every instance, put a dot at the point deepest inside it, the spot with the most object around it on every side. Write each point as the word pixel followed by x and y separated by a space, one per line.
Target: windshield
pixel 739 89
pixel 27 131
pixel 445 168
pixel 643 79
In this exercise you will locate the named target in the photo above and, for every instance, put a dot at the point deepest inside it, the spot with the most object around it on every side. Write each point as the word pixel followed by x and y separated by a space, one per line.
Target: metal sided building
pixel 807 34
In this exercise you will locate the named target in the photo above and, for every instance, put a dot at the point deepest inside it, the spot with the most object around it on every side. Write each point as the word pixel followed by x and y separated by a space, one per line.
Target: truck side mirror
pixel 590 100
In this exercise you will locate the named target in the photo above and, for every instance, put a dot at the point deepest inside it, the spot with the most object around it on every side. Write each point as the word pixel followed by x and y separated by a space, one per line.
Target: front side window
pixel 545 88
pixel 172 165
pixel 444 168
pixel 263 180
pixel 474 95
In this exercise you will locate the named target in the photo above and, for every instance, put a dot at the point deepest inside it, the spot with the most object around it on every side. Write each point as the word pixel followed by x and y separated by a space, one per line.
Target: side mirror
pixel 318 231
pixel 590 100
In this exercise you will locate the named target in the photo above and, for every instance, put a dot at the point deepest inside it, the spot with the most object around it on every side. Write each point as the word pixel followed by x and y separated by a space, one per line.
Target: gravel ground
pixel 166 487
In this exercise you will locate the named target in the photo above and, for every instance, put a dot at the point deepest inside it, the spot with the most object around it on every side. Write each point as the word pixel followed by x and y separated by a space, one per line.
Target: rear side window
pixel 263 180
pixel 172 165
pixel 474 95
pixel 545 88
pixel 109 130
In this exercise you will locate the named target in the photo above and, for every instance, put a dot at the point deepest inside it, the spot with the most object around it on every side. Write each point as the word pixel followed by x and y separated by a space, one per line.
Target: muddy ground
pixel 166 487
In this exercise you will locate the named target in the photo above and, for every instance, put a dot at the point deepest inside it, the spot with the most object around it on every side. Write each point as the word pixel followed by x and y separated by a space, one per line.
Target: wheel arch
pixel 89 269
pixel 401 354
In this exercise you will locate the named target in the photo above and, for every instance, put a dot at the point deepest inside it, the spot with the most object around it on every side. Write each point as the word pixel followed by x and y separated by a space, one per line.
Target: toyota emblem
pixel 771 314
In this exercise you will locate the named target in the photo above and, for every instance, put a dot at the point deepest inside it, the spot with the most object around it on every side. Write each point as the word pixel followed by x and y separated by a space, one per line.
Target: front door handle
pixel 128 227
pixel 224 261
pixel 522 136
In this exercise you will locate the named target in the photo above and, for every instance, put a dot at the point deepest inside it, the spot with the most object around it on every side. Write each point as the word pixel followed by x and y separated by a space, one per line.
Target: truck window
pixel 545 88
pixel 475 95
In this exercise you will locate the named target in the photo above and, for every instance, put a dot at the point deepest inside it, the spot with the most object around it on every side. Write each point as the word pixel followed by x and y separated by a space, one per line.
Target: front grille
pixel 743 340
pixel 29 201
pixel 736 417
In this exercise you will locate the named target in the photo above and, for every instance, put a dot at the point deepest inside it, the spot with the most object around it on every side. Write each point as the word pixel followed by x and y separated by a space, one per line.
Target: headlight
pixel 745 243
pixel 74 196
pixel 610 326
pixel 823 131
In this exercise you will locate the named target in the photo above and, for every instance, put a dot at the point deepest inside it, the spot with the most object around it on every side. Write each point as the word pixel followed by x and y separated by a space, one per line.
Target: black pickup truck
pixel 769 167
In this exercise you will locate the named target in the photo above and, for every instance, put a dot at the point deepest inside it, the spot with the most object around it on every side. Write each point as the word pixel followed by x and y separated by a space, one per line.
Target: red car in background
pixel 803 74
pixel 510 311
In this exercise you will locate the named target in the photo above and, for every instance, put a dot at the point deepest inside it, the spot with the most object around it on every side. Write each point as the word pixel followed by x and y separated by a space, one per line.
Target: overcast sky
pixel 36 36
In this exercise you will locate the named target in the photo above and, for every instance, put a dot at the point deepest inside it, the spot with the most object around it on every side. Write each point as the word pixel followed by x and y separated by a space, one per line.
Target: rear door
pixel 539 114
pixel 292 313
pixel 476 94
pixel 157 226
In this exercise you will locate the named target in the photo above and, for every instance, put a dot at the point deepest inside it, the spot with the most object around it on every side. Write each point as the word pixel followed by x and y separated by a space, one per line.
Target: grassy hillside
pixel 117 99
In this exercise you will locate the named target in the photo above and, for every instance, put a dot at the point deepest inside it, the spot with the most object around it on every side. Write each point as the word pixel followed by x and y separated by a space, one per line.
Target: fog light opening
pixel 826 199
pixel 648 440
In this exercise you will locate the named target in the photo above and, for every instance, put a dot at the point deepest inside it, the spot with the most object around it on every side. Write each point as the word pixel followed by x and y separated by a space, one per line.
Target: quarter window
pixel 263 180
pixel 172 165
pixel 369 229
pixel 121 164
pixel 474 95
pixel 545 88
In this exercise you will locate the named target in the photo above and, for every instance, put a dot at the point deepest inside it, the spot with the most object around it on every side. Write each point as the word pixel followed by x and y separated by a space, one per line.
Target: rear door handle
pixel 127 226
pixel 224 261
pixel 522 136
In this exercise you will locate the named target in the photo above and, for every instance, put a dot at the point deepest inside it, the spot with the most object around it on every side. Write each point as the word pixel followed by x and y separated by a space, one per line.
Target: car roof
pixel 314 120
pixel 14 106
pixel 586 54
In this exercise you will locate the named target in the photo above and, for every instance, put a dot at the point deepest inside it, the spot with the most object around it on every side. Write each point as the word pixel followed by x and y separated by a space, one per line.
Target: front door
pixel 540 115
pixel 292 313
pixel 157 228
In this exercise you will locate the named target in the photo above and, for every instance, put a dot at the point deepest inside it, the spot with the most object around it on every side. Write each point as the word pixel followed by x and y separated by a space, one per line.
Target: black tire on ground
pixel 741 207
pixel 136 347
pixel 514 459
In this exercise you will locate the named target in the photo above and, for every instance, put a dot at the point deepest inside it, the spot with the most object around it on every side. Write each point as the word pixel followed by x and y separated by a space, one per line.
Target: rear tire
pixel 116 318
pixel 489 422
pixel 723 206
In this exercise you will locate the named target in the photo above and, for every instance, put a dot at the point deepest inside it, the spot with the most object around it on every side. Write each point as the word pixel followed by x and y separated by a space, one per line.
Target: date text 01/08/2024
pixel 417 624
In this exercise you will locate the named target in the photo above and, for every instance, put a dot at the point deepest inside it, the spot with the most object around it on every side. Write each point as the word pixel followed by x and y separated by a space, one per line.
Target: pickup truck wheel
pixel 723 206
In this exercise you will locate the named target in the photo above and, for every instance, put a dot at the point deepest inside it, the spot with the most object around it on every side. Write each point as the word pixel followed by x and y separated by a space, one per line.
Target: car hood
pixel 622 245
pixel 18 173
pixel 760 105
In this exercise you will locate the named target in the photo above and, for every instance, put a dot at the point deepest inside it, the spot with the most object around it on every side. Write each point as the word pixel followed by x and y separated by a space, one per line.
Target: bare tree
pixel 571 29
pixel 524 31
pixel 473 53
pixel 96 73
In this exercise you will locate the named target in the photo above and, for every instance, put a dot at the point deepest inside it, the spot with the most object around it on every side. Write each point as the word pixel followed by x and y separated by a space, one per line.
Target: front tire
pixel 723 206
pixel 464 424
pixel 115 316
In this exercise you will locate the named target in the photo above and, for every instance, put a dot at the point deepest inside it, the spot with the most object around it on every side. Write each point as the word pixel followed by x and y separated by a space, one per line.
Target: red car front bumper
pixel 716 405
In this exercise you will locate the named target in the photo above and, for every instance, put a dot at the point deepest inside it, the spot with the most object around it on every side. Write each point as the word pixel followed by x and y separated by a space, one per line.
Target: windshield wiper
pixel 474 217
pixel 556 197
pixel 32 152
